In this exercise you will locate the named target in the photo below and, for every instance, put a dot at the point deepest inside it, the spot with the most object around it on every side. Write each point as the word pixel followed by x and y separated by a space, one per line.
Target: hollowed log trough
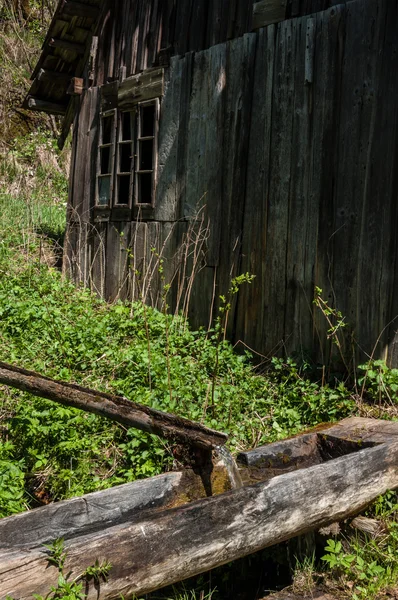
pixel 161 530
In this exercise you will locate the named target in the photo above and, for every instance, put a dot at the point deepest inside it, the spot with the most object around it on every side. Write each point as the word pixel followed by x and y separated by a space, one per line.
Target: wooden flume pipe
pixel 113 407
pixel 155 548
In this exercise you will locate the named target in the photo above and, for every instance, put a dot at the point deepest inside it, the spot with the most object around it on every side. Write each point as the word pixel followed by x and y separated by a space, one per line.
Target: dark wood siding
pixel 277 156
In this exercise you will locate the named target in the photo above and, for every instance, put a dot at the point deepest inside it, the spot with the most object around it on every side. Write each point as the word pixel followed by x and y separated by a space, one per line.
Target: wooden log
pixel 116 408
pixel 45 106
pixel 66 45
pixel 174 544
pixel 295 451
pixel 144 86
pixel 90 512
pixel 267 12
pixel 106 508
pixel 322 443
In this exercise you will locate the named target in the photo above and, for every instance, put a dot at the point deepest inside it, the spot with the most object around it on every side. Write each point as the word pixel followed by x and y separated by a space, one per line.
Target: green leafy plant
pixel 67 589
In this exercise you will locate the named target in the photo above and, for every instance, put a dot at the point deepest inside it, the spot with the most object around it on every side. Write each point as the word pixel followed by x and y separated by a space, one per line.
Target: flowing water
pixel 231 467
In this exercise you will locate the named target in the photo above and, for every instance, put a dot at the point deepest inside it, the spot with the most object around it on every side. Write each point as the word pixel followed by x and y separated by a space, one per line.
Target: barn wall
pixel 135 35
pixel 278 156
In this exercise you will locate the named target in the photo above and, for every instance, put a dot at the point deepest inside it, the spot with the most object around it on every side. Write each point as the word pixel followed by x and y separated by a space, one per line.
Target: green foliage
pixel 67 589
pixel 49 325
pixel 12 481
pixel 378 381
pixel 368 566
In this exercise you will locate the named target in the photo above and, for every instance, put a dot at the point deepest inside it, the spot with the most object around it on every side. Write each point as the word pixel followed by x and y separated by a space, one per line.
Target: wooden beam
pixel 66 45
pixel 145 86
pixel 161 548
pixel 76 86
pixel 45 106
pixel 78 9
pixel 53 76
pixel 267 12
pixel 112 407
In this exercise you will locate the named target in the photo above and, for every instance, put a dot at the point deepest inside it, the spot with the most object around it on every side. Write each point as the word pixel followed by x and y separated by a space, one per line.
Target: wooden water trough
pixel 164 529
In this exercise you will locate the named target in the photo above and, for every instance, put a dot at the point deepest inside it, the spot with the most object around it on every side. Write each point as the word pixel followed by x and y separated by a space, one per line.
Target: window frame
pixel 105 115
pixel 136 188
pixel 119 143
pixel 139 139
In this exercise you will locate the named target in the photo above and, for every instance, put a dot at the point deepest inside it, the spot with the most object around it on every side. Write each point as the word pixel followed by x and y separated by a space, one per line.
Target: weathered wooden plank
pixel 326 98
pixel 113 407
pixel 169 131
pixel 205 142
pixel 46 75
pixel 98 259
pixel 236 125
pixel 182 150
pixel 117 260
pixel 141 87
pixel 46 106
pixel 279 188
pixel 211 532
pixel 302 212
pixel 250 320
pixel 267 12
pixel 377 284
pixel 67 45
pixel 144 25
pixel 181 29
pixel 357 127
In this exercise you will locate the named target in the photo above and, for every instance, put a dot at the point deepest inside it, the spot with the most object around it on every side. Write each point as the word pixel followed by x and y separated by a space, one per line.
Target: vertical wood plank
pixel 302 213
pixel 278 198
pixel 98 259
pixel 169 132
pixel 236 126
pixel 205 141
pixel 251 314
pixel 117 261
pixel 182 151
pixel 356 129
pixel 326 91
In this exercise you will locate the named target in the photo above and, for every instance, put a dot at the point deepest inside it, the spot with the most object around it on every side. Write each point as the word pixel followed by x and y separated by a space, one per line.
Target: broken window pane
pixel 107 129
pixel 126 126
pixel 147 120
pixel 123 189
pixel 125 157
pixel 146 155
pixel 105 166
pixel 144 188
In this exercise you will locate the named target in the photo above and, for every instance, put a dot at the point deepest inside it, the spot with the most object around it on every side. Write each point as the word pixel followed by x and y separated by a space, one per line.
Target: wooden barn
pixel 219 137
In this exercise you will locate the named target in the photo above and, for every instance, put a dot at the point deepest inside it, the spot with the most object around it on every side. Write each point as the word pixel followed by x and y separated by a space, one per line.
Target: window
pixel 125 159
pixel 128 146
pixel 147 134
pixel 106 158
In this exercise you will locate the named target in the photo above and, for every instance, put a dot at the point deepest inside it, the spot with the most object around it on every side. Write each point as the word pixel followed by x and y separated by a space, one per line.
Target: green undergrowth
pixel 48 325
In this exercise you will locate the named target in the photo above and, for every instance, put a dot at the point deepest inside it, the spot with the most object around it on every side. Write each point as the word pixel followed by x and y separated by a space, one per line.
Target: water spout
pixel 231 467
